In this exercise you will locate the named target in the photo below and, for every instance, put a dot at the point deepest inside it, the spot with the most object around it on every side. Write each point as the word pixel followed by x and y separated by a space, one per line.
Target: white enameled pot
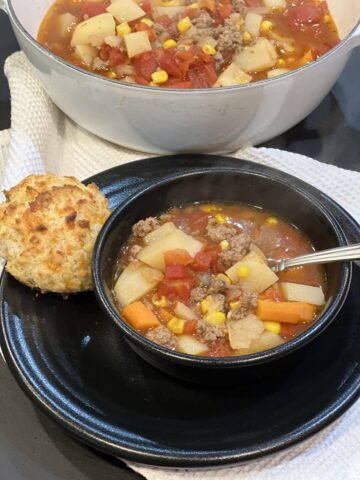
pixel 168 120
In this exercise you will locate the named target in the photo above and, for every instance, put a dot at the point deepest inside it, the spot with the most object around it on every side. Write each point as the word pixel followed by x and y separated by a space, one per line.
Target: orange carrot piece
pixel 178 256
pixel 139 316
pixel 285 312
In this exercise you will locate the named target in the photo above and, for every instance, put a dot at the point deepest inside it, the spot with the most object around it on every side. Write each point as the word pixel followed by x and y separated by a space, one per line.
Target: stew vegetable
pixel 197 279
pixel 186 44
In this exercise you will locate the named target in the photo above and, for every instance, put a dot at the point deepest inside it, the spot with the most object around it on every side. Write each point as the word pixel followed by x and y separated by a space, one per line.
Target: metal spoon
pixel 351 252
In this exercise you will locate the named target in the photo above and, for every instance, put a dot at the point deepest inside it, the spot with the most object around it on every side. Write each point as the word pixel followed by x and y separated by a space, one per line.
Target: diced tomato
pixel 179 256
pixel 202 76
pixel 253 3
pixel 190 12
pixel 92 9
pixel 225 10
pixel 208 4
pixel 190 327
pixel 206 58
pixel 207 258
pixel 145 64
pixel 288 330
pixel 175 272
pixel 220 349
pixel 146 6
pixel 104 51
pixel 210 70
pixel 304 14
pixel 177 288
pixel 142 27
pixel 116 57
pixel 185 56
pixel 168 63
pixel 140 80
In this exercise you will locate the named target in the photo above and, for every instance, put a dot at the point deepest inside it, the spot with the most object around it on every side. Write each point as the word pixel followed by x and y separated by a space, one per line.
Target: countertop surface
pixel 32 447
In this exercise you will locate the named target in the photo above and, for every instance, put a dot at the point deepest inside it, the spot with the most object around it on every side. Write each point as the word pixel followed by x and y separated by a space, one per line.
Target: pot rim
pixel 265 356
pixel 179 91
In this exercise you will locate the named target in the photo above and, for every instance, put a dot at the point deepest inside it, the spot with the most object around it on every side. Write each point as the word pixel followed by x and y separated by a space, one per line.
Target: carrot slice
pixel 139 316
pixel 285 312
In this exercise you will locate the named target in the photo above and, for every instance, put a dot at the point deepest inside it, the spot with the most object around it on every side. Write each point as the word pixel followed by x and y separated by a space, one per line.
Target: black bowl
pixel 294 203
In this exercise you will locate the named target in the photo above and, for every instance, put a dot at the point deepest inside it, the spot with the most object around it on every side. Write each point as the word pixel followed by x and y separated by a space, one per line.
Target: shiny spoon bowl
pixel 340 254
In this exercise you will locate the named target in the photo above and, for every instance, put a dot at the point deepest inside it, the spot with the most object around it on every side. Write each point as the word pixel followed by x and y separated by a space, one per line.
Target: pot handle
pixel 4 5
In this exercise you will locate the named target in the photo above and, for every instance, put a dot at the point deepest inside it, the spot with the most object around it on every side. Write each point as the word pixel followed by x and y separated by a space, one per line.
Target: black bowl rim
pixel 289 346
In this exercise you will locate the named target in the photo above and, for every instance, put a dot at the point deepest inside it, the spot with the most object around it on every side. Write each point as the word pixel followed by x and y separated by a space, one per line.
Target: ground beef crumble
pixel 217 285
pixel 134 250
pixel 217 232
pixel 143 227
pixel 162 336
pixel 248 302
pixel 238 248
pixel 229 37
pixel 210 333
pixel 203 20
pixel 198 293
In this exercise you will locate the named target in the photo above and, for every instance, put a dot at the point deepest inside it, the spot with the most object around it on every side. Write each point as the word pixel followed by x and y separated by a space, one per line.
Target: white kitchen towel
pixel 42 138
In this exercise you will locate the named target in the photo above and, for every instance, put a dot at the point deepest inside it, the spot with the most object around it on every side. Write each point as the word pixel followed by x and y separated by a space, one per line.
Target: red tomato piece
pixel 178 256
pixel 220 349
pixel 116 57
pixel 146 6
pixel 168 63
pixel 201 76
pixel 181 85
pixel 104 52
pixel 190 327
pixel 207 258
pixel 176 271
pixel 303 14
pixel 145 64
pixel 142 27
pixel 288 330
pixel 225 10
pixel 140 80
pixel 93 9
pixel 177 288
pixel 253 3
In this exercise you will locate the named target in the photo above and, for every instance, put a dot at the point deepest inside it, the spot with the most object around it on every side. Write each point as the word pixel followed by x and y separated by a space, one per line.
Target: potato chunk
pixel 93 30
pixel 126 10
pixel 295 292
pixel 252 23
pixel 232 75
pixel 255 58
pixel 65 23
pixel 86 53
pixel 243 332
pixel 191 346
pixel 266 341
pixel 137 43
pixel 260 276
pixel 277 71
pixel 135 281
pixel 153 254
pixel 159 233
pixel 275 3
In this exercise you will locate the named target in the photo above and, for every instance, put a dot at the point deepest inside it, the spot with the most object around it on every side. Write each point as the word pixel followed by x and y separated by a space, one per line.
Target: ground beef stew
pixel 197 279
pixel 186 44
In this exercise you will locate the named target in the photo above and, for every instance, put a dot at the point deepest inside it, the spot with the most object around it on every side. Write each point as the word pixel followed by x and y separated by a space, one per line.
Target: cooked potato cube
pixel 159 233
pixel 266 341
pixel 191 346
pixel 243 332
pixel 136 43
pixel 260 56
pixel 169 11
pixel 252 23
pixel 86 53
pixel 183 311
pixel 275 3
pixel 126 10
pixel 295 292
pixel 153 254
pixel 93 30
pixel 232 75
pixel 135 281
pixel 259 277
pixel 65 23
pixel 277 71
pixel 256 249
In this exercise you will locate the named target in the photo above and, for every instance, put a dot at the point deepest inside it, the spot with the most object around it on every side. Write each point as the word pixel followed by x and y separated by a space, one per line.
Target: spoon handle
pixel 350 252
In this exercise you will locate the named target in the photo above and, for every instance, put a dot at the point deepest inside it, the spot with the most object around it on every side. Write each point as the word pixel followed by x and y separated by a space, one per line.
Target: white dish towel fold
pixel 42 139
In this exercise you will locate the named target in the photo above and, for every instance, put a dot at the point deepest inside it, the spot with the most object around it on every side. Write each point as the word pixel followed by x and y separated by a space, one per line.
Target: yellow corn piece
pixel 220 218
pixel 327 18
pixel 215 318
pixel 234 305
pixel 111 74
pixel 176 325
pixel 169 44
pixel 224 244
pixel 240 23
pixel 204 305
pixel 281 63
pixel 184 24
pixel 272 221
pixel 209 49
pixel 307 58
pixel 266 26
pixel 243 271
pixel 123 29
pixel 208 208
pixel 159 302
pixel 224 277
pixel 273 327
pixel 147 22
pixel 247 37
pixel 159 77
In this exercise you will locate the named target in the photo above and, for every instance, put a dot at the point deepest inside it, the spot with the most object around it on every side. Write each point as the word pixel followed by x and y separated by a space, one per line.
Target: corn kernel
pixel 220 218
pixel 327 18
pixel 224 245
pixel 159 77
pixel 266 26
pixel 281 63
pixel 184 24
pixel 204 305
pixel 243 271
pixel 240 23
pixel 247 37
pixel 111 74
pixel 273 327
pixel 159 302
pixel 209 49
pixel 147 22
pixel 194 5
pixel 169 43
pixel 123 29
pixel 208 208
pixel 272 221
pixel 176 325
pixel 215 318
pixel 234 305
pixel 224 277
pixel 170 3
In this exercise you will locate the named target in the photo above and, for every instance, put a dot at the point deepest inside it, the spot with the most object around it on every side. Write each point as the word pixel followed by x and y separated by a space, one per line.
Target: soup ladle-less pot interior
pixel 198 120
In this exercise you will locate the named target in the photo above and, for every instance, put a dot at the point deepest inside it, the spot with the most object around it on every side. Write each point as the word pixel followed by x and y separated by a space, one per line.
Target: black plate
pixel 70 359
